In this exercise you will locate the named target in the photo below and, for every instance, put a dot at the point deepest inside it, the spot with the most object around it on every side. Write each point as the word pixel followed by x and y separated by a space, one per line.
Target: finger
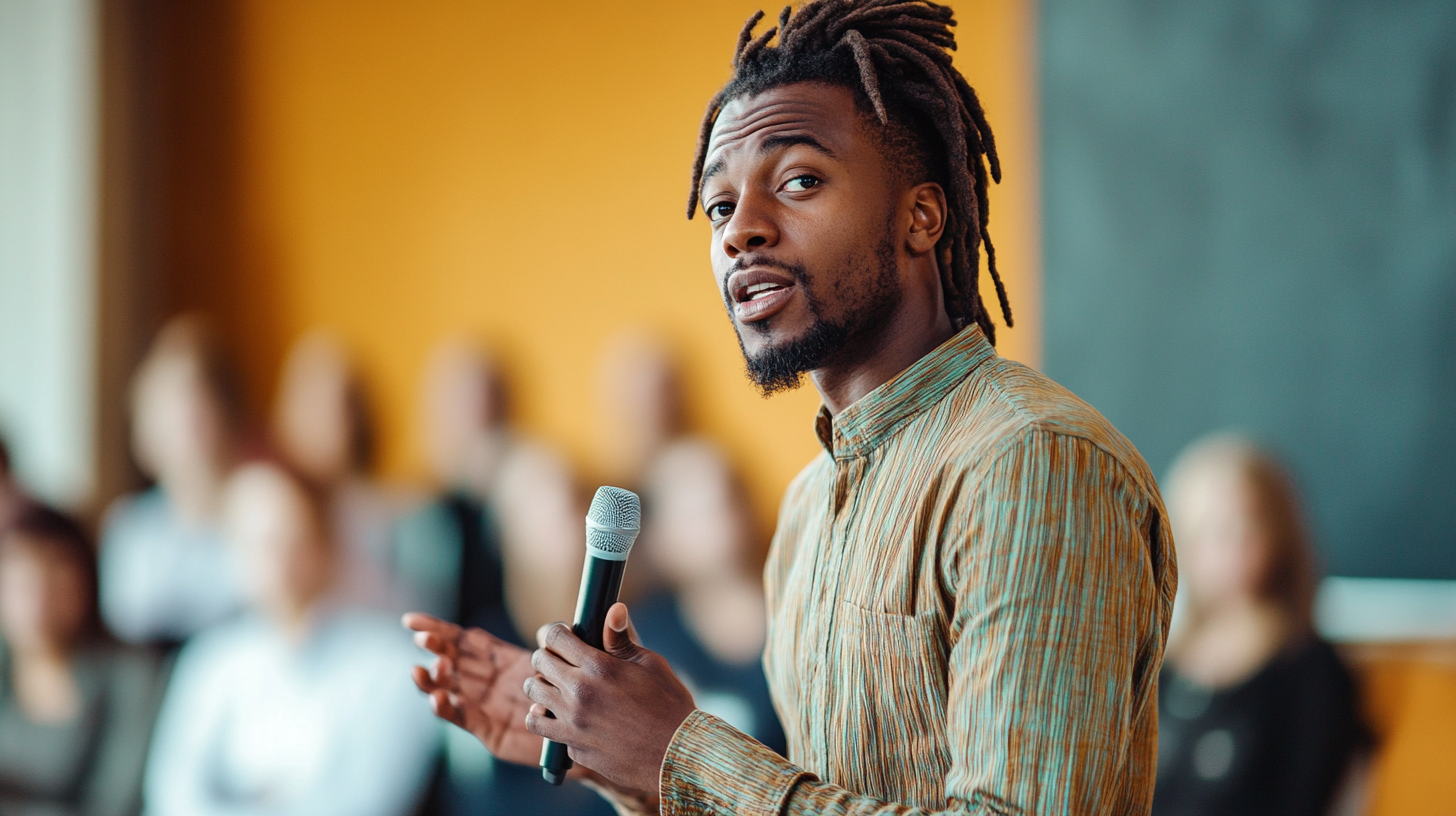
pixel 444 673
pixel 422 678
pixel 432 642
pixel 540 722
pixel 552 667
pixel 618 637
pixel 541 633
pixel 559 638
pixel 420 622
pixel 540 690
pixel 446 710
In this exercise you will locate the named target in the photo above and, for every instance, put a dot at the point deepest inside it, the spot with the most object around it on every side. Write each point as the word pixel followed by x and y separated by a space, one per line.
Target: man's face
pixel 802 209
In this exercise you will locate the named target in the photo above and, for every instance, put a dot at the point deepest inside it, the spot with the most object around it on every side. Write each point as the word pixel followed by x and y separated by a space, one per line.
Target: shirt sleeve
pixel 1056 636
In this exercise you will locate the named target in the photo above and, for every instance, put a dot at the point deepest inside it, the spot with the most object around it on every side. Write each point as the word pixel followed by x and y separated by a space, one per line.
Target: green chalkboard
pixel 1250 222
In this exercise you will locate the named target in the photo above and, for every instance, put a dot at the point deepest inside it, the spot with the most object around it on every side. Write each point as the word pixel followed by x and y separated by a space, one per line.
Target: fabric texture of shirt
pixel 160 579
pixel 256 723
pixel 969 593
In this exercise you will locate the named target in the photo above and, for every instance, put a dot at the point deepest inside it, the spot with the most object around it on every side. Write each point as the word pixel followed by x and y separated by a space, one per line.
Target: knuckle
pixel 593 667
pixel 585 693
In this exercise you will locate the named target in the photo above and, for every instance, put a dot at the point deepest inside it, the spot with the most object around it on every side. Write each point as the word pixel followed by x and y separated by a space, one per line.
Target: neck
pixel 913 332
pixel 45 687
pixel 294 621
pixel 194 495
pixel 1227 645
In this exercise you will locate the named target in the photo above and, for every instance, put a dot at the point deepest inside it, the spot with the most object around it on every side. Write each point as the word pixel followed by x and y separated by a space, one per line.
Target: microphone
pixel 611 528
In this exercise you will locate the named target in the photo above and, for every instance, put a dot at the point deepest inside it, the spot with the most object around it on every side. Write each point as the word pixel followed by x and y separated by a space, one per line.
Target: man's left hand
pixel 616 709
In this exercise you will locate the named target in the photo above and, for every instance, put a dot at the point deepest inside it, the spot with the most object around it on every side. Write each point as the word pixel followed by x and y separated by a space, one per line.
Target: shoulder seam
pixel 1031 423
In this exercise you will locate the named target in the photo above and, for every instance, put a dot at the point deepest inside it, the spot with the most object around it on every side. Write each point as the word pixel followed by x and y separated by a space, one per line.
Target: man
pixel 969 590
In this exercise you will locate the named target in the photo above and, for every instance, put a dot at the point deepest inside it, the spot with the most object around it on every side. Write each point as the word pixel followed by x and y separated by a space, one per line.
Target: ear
pixel 927 217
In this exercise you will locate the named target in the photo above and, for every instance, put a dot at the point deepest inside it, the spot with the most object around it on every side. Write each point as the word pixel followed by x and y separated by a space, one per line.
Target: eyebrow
pixel 770 144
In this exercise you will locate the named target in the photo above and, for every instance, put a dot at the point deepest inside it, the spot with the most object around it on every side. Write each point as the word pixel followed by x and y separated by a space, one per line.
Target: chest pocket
pixel 887 732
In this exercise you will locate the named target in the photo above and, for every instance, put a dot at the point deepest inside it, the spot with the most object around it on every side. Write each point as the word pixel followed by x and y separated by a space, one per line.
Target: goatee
pixel 864 314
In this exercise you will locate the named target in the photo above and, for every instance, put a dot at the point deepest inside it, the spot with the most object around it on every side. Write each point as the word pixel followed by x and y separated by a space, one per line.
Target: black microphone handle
pixel 601 583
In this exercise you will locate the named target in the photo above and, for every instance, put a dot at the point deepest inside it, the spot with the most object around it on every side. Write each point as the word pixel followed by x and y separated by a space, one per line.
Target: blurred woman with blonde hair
pixel 1257 713
pixel 165 572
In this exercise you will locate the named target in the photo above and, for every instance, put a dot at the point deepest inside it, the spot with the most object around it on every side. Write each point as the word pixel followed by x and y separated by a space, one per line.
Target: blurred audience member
pixel 501 549
pixel 641 405
pixel 709 620
pixel 1256 713
pixel 12 496
pixel 301 707
pixel 165 571
pixel 450 549
pixel 322 424
pixel 75 710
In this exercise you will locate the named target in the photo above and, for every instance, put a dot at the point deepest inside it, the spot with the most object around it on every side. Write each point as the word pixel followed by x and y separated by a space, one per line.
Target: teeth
pixel 761 289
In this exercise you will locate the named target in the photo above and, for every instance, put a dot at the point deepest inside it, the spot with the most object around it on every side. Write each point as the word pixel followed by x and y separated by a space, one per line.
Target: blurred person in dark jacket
pixel 295 707
pixel 708 618
pixel 324 426
pixel 165 571
pixel 1257 714
pixel 498 548
pixel 76 710
pixel 12 496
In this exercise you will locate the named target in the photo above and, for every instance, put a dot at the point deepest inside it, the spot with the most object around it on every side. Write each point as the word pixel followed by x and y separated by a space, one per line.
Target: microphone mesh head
pixel 613 521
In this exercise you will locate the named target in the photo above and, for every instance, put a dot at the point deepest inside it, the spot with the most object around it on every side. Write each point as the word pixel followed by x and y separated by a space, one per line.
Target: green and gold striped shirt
pixel 969 593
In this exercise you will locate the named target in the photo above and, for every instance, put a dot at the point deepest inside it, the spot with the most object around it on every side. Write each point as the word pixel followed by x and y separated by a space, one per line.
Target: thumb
pixel 619 638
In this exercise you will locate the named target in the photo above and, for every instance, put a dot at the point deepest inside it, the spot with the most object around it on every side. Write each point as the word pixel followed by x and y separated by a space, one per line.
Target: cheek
pixel 67 604
pixel 20 601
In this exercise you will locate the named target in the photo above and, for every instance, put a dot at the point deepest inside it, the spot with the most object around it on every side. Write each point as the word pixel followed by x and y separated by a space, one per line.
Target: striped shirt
pixel 969 593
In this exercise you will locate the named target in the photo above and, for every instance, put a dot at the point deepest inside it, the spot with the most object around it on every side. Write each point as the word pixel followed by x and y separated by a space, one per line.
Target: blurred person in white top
pixel 302 706
pixel 165 572
pixel 323 426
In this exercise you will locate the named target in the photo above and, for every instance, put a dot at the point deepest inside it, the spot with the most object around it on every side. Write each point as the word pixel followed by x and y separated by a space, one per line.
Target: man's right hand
pixel 477 683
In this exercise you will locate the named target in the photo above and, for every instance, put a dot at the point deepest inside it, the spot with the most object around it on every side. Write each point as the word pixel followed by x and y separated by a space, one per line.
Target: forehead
pixel 786 114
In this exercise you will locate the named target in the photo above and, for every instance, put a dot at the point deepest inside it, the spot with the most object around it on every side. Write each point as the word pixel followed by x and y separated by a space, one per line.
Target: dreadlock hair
pixel 895 56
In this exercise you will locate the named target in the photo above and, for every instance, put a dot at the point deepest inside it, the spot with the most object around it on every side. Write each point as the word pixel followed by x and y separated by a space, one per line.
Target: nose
pixel 750 228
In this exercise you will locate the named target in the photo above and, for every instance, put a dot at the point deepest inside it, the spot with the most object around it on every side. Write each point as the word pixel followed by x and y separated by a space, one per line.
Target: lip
pixel 764 306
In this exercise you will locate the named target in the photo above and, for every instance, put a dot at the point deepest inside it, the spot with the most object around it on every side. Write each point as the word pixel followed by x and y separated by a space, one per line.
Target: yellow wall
pixel 518 171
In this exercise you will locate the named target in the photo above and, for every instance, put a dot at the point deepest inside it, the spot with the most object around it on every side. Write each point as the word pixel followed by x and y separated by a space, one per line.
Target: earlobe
pixel 928 217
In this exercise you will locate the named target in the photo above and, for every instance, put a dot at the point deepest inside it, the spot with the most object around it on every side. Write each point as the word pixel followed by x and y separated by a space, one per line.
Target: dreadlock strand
pixel 745 35
pixel 759 42
pixel 700 155
pixel 973 107
pixel 952 290
pixel 867 74
pixel 812 18
pixel 784 21
pixel 996 278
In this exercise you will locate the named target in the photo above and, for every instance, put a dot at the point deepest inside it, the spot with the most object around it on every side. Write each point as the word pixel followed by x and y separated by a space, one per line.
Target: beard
pixel 867 294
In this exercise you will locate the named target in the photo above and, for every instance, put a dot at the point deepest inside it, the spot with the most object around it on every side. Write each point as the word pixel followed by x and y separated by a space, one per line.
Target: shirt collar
pixel 878 415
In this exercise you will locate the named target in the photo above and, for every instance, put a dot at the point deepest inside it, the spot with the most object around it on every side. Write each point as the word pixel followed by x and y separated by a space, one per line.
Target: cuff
pixel 711 767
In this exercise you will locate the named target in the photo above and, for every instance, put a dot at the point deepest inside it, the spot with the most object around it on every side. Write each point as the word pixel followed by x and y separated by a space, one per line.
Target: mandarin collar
pixel 879 415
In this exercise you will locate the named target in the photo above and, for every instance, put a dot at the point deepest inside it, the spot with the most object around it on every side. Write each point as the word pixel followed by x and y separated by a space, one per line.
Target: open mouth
pixel 759 290
pixel 759 294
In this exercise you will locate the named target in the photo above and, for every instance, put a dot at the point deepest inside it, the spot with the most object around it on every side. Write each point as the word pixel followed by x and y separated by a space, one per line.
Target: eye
pixel 799 184
pixel 719 211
